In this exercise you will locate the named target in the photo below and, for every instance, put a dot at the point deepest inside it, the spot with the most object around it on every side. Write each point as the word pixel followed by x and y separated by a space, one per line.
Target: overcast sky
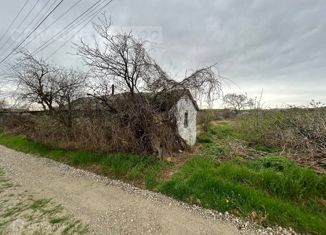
pixel 275 46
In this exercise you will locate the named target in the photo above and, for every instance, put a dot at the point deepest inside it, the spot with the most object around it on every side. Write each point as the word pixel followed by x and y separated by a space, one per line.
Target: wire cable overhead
pixel 32 21
pixel 32 31
pixel 82 27
pixel 14 20
pixel 55 21
pixel 67 28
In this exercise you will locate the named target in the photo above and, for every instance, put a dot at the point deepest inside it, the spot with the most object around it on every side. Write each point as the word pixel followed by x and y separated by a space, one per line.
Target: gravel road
pixel 113 207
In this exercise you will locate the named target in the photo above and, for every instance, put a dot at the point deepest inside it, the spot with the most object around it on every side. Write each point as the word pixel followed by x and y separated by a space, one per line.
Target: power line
pixel 27 15
pixel 5 68
pixel 37 18
pixel 68 27
pixel 83 26
pixel 55 21
pixel 60 17
pixel 65 29
pixel 22 22
pixel 32 21
pixel 32 31
pixel 39 12
pixel 14 20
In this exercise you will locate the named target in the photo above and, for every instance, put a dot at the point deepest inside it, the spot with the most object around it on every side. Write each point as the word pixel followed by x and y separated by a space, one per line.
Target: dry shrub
pixel 102 134
pixel 152 131
pixel 46 130
pixel 17 123
pixel 205 117
pixel 236 148
pixel 134 127
pixel 300 132
pixel 303 134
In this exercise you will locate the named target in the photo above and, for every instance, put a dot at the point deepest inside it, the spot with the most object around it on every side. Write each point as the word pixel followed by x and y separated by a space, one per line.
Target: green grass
pixel 285 193
pixel 204 138
pixel 215 142
pixel 213 149
pixel 222 131
pixel 39 204
pixel 135 168
pixel 58 220
pixel 276 175
pixel 267 149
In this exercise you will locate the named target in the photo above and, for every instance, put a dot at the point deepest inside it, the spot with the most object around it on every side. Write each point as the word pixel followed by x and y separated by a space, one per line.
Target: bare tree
pixel 2 102
pixel 123 61
pixel 70 87
pixel 52 87
pixel 36 80
pixel 236 102
pixel 120 59
pixel 252 103
pixel 202 83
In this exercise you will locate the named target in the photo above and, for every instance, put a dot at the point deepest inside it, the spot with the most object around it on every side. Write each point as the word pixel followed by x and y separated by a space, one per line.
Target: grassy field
pixel 272 191
pixel 251 181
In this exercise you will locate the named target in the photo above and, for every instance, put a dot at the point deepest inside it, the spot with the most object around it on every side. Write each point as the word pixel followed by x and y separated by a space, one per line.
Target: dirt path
pixel 108 206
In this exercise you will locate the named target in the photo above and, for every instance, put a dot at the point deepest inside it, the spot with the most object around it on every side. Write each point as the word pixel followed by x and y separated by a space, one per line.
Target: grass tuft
pixel 39 204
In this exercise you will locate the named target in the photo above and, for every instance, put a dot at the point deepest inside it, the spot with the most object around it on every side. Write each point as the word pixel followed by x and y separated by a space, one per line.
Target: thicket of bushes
pixel 299 132
pixel 98 132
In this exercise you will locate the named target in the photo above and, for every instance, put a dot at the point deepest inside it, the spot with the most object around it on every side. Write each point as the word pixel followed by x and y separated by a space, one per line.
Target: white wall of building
pixel 189 132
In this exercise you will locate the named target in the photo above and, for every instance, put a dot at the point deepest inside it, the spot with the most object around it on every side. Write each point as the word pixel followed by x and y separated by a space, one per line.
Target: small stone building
pixel 185 109
pixel 182 105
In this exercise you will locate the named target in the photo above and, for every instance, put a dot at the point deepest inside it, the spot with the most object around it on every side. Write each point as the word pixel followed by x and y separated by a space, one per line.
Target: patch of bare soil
pixel 21 213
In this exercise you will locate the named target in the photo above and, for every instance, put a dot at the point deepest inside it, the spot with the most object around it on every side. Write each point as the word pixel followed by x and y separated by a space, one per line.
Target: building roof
pixel 165 101
pixel 160 101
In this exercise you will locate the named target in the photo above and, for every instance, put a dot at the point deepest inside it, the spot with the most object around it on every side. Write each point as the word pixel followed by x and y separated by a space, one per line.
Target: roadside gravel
pixel 113 207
